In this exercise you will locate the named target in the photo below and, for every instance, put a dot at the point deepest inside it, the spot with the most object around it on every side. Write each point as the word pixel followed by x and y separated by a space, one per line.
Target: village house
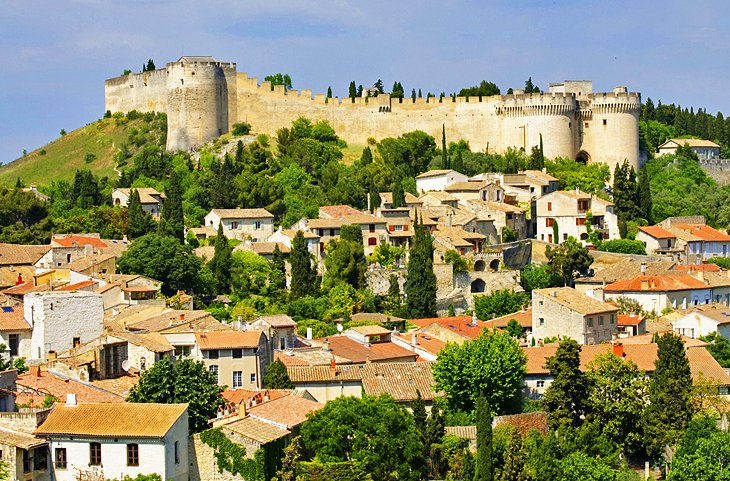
pixel 483 190
pixel 238 359
pixel 364 344
pixel 280 329
pixel 117 440
pixel 15 332
pixel 705 149
pixel 398 225
pixel 703 320
pixel 25 455
pixel 373 229
pixel 527 185
pixel 503 214
pixel 563 312
pixel 626 268
pixel 68 248
pixel 150 199
pixel 412 202
pixel 438 179
pixel 656 293
pixel 437 197
pixel 254 224
pixel 569 210
pixel 630 325
pixel 286 237
pixel 686 239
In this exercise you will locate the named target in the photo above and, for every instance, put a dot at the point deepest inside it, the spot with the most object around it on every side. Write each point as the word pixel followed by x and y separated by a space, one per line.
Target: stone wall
pixel 203 465
pixel 378 280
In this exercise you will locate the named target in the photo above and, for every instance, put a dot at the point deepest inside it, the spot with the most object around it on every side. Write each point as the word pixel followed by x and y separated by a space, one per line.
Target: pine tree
pixel 303 275
pixel 643 196
pixel 458 164
pixel 444 152
pixel 394 301
pixel 223 188
pixel 670 396
pixel 277 377
pixel 150 65
pixel 220 264
pixel 277 277
pixel 172 218
pixel 413 95
pixel 421 281
pixel 139 222
pixel 367 157
pixel 484 464
pixel 352 91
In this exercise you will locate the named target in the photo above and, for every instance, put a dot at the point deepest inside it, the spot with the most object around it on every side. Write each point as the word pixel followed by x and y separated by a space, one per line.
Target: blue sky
pixel 56 54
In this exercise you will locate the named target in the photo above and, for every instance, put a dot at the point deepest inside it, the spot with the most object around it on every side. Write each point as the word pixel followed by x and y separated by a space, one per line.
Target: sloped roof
pixel 278 320
pixel 87 262
pixel 260 431
pixel 677 282
pixel 624 269
pixel 11 319
pixel 33 387
pixel 152 341
pixel 16 254
pixel 261 248
pixel 424 341
pixel 523 317
pixel 19 439
pixel 356 352
pixel 336 211
pixel 461 325
pixel 71 240
pixel 134 420
pixel 243 213
pixel 703 232
pixel 697 143
pixel 629 320
pixel 371 330
pixel 302 374
pixel 657 232
pixel 238 396
pixel 10 275
pixel 289 411
pixel 400 380
pixel 575 301
pixel 77 286
pixel 434 173
pixel 228 339
pixel 715 311
pixel 147 195
pixel 467 186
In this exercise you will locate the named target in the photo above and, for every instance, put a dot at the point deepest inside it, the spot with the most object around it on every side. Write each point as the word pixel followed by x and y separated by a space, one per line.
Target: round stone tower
pixel 197 100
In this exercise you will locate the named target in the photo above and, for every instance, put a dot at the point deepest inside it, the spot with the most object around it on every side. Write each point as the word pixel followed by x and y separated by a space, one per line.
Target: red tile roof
pixel 704 232
pixel 228 339
pixel 657 232
pixel 356 352
pixel 627 320
pixel 79 240
pixel 77 286
pixel 238 396
pixel 288 411
pixel 523 317
pixel 33 388
pixel 336 211
pixel 425 341
pixel 698 267
pixel 461 325
pixel 11 319
pixel 680 282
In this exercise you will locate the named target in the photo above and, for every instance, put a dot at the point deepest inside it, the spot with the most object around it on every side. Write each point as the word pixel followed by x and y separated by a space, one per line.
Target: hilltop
pixel 93 146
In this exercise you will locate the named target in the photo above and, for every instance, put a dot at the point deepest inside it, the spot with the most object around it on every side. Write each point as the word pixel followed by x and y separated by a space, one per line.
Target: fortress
pixel 204 97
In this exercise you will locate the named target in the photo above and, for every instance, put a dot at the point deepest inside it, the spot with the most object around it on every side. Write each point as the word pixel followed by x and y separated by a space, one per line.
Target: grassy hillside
pixel 60 159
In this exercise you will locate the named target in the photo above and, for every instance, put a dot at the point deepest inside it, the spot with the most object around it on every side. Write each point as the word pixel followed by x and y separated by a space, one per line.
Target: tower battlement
pixel 203 97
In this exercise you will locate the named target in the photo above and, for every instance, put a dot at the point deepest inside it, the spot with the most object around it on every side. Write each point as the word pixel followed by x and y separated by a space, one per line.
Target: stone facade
pixel 204 97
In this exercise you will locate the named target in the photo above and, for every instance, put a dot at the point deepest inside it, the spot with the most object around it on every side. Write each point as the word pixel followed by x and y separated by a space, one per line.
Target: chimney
pixel 643 268
pixel 70 399
pixel 20 279
pixel 34 370
pixel 333 367
pixel 414 339
pixel 309 333
pixel 242 410
pixel 182 316
pixel 645 285
pixel 618 349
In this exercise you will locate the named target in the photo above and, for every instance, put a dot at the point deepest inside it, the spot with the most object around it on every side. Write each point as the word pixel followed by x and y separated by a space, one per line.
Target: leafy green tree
pixel 4 470
pixel 379 86
pixel 509 235
pixel 573 174
pixel 167 260
pixel 579 466
pixel 623 246
pixel 701 427
pixel 710 462
pixel 455 259
pixel 140 222
pixel 172 222
pixel 617 400
pixel 670 396
pixel 248 273
pixel 514 329
pixel 492 364
pixel 150 65
pixel 345 259
pixel 277 276
pixel 343 301
pixel 86 191
pixel 499 303
pixel 421 280
pixel 534 276
pixel 566 398
pixel 290 462
pixel 719 347
pixel 484 89
pixel 279 79
pixel 395 301
pixel 277 376
pixel 568 259
pixel 186 381
pixel 303 274
pixel 484 463
pixel 531 88
pixel 361 429
pixel 220 264
pixel 515 465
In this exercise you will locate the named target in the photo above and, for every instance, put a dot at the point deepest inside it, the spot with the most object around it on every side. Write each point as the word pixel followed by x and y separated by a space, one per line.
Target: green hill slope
pixel 60 159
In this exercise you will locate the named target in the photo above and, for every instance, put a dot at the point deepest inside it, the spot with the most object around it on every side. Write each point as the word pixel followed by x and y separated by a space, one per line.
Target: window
pixel 600 320
pixel 182 351
pixel 253 378
pixel 612 319
pixel 237 379
pixel 177 453
pixel 257 224
pixel 542 321
pixel 580 221
pixel 234 225
pixel 372 241
pixel 405 227
pixel 398 228
pixel 605 121
pixel 94 454
pixel 13 342
pixel 586 125
pixel 565 237
pixel 26 461
pixel 214 369
pixel 550 206
pixel 332 232
pixel 549 222
pixel 540 383
pixel 590 322
pixel 133 454
pixel 282 343
pixel 237 353
pixel 321 232
pixel 213 354
pixel 40 459
pixel 371 227
pixel 76 342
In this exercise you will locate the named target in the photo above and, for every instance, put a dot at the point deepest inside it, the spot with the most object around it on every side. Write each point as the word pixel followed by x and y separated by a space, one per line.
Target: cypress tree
pixel 458 164
pixel 444 152
pixel 565 399
pixel 419 415
pixel 277 278
pixel 670 396
pixel 367 157
pixel 420 95
pixel 394 297
pixel 139 221
pixel 303 275
pixel 421 281
pixel 329 92
pixel 172 218
pixel 399 196
pixel 220 264
pixel 277 377
pixel 643 196
pixel 413 95
pixel 352 91
pixel 514 460
pixel 484 469
pixel 150 65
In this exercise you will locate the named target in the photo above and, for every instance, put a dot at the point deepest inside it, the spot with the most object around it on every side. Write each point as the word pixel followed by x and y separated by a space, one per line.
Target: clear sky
pixel 55 54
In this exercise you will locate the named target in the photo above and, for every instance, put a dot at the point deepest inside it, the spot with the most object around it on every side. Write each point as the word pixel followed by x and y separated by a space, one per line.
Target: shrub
pixel 241 128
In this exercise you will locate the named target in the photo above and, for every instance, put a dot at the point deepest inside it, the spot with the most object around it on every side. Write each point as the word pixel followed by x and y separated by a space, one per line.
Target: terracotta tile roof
pixel 465 432
pixel 243 213
pixel 468 186
pixel 335 211
pixel 34 387
pixel 523 317
pixel 278 320
pixel 304 374
pixel 572 194
pixel 438 195
pixel 625 269
pixel 497 206
pixel 17 254
pixel 691 142
pixel 262 248
pixel 434 173
pixel 371 330
pixel 77 286
pixel 387 198
pixel 361 219
pixel 189 320
pixel 64 240
pixel 400 380
pixel 260 431
pixel 291 233
pixel 134 420
pixel 679 282
pixel 228 339
pixel 541 176
pixel 88 262
pixel 11 319
pixel 424 341
pixel 146 194
pixel 356 352
pixel 288 411
pixel 462 325
pixel 238 396
pixel 717 312
pixel 574 300
pixel 629 320
pixel 703 232
pixel 308 356
pixel 152 341
pixel 25 288
pixel 118 385
pixel 326 223
pixel 657 232
pixel 10 275
pixel 19 439
pixel 698 267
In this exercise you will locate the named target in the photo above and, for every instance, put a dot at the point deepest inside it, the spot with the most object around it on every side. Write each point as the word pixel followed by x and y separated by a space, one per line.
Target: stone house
pixel 25 455
pixel 150 199
pixel 254 224
pixel 705 149
pixel 435 198
pixel 502 214
pixel 658 241
pixel 286 237
pixel 569 210
pixel 483 190
pixel 412 202
pixel 438 179
pixel 566 313
pixel 399 226
pixel 239 359
pixel 280 329
pixel 528 185
pixel 696 241
pixel 15 332
pixel 373 230
pixel 62 320
pixel 116 440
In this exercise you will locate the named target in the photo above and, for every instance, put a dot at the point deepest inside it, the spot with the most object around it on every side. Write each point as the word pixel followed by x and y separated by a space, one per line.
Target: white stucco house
pixel 703 320
pixel 438 179
pixel 254 224
pixel 113 440
pixel 150 199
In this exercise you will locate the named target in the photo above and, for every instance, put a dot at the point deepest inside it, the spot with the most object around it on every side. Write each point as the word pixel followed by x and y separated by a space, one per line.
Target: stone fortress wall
pixel 204 98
